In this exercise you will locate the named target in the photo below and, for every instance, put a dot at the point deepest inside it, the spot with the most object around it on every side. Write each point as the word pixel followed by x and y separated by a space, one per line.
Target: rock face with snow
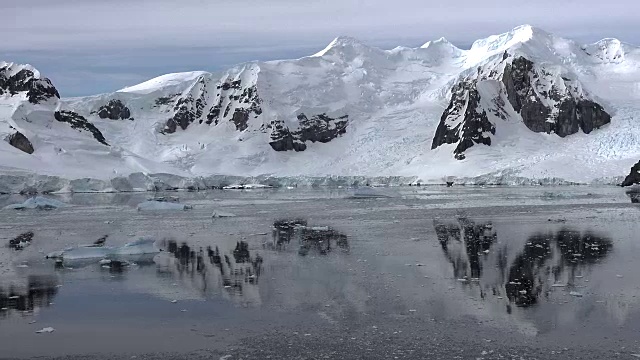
pixel 320 128
pixel 548 103
pixel 15 79
pixel 114 110
pixel 212 102
pixel 79 123
pixel 515 87
pixel 19 141
pixel 633 177
pixel 525 104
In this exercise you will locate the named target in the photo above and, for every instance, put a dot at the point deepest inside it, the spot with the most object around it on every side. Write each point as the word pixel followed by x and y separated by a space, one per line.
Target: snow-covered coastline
pixel 347 115
pixel 139 182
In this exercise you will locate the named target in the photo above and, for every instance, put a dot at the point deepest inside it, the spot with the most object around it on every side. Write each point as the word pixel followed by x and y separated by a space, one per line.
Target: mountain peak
pixel 339 43
pixel 440 42
pixel 496 44
pixel 163 81
pixel 11 68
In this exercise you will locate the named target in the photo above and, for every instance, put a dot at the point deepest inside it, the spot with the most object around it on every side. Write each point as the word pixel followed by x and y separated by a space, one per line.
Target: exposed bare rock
pixel 544 100
pixel 79 123
pixel 19 141
pixel 114 110
pixel 318 128
pixel 633 177
pixel 37 89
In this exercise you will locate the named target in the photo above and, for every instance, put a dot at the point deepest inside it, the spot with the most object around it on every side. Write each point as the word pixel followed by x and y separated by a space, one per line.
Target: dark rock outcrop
pixel 633 177
pixel 239 103
pixel 571 114
pixel 464 122
pixel 188 108
pixel 25 80
pixel 318 128
pixel 244 104
pixel 545 101
pixel 115 110
pixel 19 141
pixel 79 123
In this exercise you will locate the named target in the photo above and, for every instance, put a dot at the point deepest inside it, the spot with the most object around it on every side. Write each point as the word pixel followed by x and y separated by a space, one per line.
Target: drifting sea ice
pixel 131 249
pixel 139 247
pixel 222 214
pixel 38 202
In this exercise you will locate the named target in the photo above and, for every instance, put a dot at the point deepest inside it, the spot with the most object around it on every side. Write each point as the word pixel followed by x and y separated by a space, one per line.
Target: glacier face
pixel 523 104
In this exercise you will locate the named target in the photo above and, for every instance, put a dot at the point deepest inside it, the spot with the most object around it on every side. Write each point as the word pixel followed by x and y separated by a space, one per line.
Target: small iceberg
pixel 162 205
pixel 81 253
pixel 246 186
pixel 222 214
pixel 39 203
pixel 139 247
pixel 45 330
pixel 141 250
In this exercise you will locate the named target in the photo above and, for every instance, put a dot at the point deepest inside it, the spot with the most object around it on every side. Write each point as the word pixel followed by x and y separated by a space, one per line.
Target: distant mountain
pixel 525 104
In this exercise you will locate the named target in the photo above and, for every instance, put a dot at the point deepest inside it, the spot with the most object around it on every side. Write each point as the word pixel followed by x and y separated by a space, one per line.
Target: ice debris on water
pixel 162 206
pixel 38 202
pixel 105 255
pixel 45 330
pixel 222 214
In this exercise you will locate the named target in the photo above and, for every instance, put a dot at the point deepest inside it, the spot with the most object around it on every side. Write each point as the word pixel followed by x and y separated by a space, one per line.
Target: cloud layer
pixel 127 35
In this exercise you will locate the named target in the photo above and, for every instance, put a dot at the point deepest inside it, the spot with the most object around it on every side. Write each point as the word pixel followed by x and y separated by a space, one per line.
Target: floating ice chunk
pixel 140 251
pixel 135 251
pixel 222 214
pixel 45 330
pixel 162 205
pixel 39 203
pixel 372 193
pixel 55 254
pixel 82 253
pixel 246 186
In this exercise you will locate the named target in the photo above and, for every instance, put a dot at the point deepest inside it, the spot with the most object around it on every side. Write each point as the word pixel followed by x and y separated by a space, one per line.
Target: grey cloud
pixel 124 41
pixel 37 24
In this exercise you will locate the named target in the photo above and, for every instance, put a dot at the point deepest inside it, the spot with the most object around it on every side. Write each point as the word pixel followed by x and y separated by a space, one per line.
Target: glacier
pixel 349 115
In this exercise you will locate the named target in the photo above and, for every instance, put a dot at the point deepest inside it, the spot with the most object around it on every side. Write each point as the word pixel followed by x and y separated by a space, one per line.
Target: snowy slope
pixel 348 110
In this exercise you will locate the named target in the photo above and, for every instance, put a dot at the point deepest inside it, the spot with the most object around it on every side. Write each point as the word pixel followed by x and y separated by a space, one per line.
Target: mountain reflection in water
pixel 321 240
pixel 210 269
pixel 547 259
pixel 37 292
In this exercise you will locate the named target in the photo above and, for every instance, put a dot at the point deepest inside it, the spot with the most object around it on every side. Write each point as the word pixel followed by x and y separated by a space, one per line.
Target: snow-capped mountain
pixel 524 104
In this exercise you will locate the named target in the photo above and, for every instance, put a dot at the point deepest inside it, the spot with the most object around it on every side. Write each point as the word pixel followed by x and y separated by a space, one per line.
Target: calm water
pixel 430 272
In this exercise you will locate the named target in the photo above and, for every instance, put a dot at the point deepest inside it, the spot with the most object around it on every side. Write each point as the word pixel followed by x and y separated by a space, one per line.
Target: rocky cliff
pixel 514 88
pixel 633 177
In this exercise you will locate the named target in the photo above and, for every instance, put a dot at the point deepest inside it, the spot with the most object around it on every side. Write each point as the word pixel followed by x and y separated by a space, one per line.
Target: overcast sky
pixel 92 46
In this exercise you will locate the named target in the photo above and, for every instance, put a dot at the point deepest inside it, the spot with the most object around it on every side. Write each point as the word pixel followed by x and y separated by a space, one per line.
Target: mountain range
pixel 525 106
